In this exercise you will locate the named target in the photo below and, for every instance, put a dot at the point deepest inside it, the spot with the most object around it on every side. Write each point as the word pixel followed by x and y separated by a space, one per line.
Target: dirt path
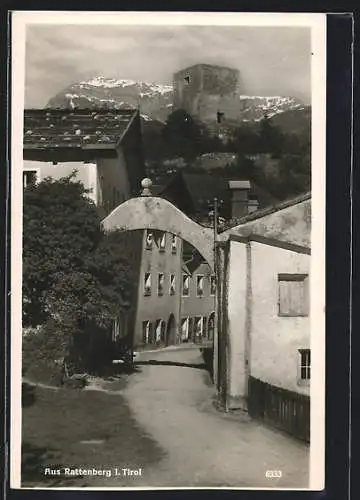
pixel 172 404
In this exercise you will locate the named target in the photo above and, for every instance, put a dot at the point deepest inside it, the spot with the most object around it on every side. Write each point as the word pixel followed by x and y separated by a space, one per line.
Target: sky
pixel 271 60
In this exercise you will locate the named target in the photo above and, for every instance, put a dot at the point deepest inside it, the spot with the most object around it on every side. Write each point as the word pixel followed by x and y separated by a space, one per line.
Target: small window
pixel 161 280
pixel 212 285
pixel 149 240
pixel 172 289
pixel 305 365
pixel 199 285
pixel 186 285
pixel 187 80
pixel 220 116
pixel 29 178
pixel 173 244
pixel 162 242
pixel 293 299
pixel 147 284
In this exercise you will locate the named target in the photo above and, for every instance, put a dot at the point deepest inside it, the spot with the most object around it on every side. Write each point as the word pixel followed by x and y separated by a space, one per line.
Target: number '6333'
pixel 273 473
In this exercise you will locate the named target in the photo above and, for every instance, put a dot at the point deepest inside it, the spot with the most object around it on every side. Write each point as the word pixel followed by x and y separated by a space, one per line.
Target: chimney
pixel 241 204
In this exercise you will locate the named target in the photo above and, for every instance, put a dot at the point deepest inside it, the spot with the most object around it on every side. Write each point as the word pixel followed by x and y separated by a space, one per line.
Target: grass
pixel 56 421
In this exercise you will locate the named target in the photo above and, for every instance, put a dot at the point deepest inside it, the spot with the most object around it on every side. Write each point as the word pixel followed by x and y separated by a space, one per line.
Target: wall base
pixel 237 403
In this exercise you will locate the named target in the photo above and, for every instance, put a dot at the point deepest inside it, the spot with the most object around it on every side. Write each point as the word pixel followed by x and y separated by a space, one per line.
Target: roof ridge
pixel 270 210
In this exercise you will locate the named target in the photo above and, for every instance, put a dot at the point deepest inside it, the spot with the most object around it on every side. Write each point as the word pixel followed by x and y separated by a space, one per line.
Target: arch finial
pixel 146 185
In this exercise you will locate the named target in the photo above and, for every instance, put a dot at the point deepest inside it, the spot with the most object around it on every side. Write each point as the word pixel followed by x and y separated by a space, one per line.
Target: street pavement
pixel 204 447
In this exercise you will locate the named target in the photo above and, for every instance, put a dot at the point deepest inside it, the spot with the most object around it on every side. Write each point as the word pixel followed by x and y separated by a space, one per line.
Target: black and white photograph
pixel 168 250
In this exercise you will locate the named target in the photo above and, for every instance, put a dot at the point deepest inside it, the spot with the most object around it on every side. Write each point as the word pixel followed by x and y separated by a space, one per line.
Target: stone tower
pixel 208 92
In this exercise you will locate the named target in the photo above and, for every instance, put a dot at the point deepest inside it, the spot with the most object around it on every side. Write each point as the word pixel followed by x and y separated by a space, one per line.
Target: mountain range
pixel 156 101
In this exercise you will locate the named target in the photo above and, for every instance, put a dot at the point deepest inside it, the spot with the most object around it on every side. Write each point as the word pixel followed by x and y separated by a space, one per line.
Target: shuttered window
pixel 161 280
pixel 173 244
pixel 147 332
pixel 147 284
pixel 186 285
pixel 149 240
pixel 293 297
pixel 162 242
pixel 199 285
pixel 184 329
pixel 172 284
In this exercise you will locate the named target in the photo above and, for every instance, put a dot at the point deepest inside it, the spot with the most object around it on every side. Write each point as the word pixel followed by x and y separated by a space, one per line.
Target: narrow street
pixel 173 405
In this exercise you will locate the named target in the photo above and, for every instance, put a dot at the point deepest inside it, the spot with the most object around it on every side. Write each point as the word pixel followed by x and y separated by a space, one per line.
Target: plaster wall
pixel 275 339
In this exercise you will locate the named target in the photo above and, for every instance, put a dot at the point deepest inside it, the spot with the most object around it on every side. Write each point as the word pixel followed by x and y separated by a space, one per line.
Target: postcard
pixel 168 250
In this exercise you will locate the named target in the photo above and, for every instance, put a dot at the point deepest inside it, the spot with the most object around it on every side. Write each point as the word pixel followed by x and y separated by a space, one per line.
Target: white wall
pixel 275 339
pixel 87 172
pixel 237 320
pixel 112 175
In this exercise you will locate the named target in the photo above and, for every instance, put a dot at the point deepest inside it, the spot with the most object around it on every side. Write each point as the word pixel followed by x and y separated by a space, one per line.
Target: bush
pixel 42 355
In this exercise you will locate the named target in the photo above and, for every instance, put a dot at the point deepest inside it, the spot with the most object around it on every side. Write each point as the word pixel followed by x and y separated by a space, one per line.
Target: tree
pixel 61 227
pixel 73 274
pixel 271 138
pixel 183 135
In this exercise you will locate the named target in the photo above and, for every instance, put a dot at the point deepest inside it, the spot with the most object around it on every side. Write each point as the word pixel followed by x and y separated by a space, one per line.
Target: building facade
pixel 159 291
pixel 198 304
pixel 263 349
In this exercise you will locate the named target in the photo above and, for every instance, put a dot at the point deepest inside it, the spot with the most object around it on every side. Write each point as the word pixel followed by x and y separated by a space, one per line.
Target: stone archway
pixel 148 212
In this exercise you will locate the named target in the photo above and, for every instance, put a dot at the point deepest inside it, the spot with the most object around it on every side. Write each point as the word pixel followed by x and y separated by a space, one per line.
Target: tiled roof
pixel 206 187
pixel 268 210
pixel 79 128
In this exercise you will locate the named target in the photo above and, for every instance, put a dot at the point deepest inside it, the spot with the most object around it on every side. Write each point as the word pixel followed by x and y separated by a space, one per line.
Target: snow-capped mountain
pixel 155 100
pixel 255 107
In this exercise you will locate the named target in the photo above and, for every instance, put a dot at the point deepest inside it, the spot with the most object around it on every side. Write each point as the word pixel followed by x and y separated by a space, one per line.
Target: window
pixel 173 244
pixel 185 329
pixel 147 332
pixel 158 330
pixel 149 240
pixel 30 177
pixel 219 116
pixel 161 279
pixel 186 285
pixel 305 365
pixel 162 242
pixel 199 326
pixel 147 284
pixel 212 285
pixel 293 295
pixel 172 289
pixel 199 285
